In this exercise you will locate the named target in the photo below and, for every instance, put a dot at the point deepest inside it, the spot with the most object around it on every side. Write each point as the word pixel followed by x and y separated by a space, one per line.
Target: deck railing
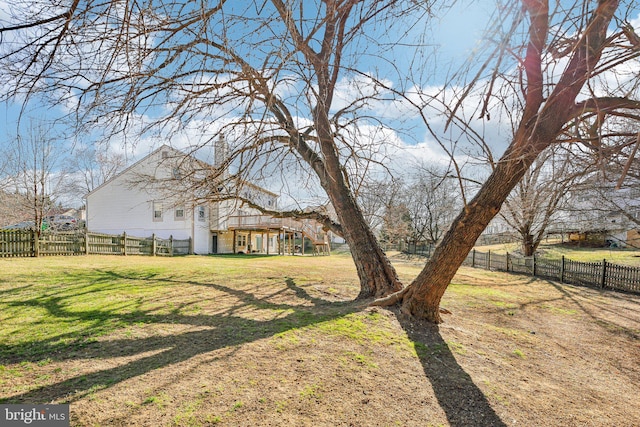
pixel 263 222
pixel 267 222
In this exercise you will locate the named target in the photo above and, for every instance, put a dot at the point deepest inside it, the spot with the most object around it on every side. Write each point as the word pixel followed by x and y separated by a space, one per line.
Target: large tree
pixel 273 72
pixel 266 73
pixel 540 196
pixel 586 42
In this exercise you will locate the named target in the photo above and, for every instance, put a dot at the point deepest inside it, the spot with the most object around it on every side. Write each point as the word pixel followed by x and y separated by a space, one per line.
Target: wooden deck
pixel 287 227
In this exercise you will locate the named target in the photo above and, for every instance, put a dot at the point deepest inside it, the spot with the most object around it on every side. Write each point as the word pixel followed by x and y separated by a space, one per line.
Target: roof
pixel 175 152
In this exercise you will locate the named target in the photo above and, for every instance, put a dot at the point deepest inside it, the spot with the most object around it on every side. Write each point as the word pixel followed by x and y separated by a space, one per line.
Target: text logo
pixel 34 415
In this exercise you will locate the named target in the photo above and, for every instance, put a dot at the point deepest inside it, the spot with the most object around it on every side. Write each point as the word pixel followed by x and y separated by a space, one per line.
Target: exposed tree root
pixel 390 299
pixel 396 298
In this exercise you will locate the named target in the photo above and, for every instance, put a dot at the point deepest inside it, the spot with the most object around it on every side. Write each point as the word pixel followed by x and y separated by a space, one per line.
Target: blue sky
pixel 457 33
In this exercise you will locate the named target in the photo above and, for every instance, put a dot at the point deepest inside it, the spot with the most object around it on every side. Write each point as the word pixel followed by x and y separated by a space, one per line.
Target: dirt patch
pixel 298 352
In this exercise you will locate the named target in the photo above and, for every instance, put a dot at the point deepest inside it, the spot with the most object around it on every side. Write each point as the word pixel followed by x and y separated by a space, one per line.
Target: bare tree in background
pixel 271 71
pixel 12 203
pixel 375 198
pixel 34 172
pixel 540 195
pixel 89 167
pixel 432 199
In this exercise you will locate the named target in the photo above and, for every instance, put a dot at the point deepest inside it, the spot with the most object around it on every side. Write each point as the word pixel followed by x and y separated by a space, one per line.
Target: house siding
pixel 117 207
pixel 120 206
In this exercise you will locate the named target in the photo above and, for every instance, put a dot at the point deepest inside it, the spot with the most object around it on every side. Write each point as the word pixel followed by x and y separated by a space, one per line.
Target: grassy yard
pixel 279 341
pixel 555 250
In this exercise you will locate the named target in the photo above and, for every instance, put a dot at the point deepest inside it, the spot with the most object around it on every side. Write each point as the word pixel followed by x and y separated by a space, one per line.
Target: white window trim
pixel 157 207
pixel 176 217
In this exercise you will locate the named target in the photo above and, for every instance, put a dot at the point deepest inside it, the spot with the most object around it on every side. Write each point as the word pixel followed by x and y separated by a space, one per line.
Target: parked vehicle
pixel 62 222
pixel 26 225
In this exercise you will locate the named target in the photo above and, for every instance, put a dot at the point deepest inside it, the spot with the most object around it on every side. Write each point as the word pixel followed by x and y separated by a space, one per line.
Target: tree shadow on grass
pixel 463 402
pixel 612 310
pixel 220 330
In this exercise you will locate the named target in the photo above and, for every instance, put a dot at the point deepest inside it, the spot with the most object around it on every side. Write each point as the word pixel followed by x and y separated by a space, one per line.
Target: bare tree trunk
pixel 422 299
pixel 541 123
pixel 377 276
pixel 528 245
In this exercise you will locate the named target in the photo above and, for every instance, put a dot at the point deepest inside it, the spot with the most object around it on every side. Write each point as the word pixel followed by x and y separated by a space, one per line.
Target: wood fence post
pixel 489 260
pixel 86 241
pixel 190 245
pixel 153 244
pixel 533 267
pixel 171 245
pixel 33 242
pixel 603 277
pixel 562 269
pixel 124 243
pixel 36 243
pixel 473 258
pixel 507 263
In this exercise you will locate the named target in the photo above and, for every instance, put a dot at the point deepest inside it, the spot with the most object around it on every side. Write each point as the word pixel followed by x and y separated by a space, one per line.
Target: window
pixel 157 211
pixel 179 213
pixel 201 216
pixel 241 241
pixel 176 173
pixel 165 154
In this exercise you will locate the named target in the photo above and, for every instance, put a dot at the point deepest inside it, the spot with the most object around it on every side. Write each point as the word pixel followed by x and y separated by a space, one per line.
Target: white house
pixel 131 202
pixel 601 212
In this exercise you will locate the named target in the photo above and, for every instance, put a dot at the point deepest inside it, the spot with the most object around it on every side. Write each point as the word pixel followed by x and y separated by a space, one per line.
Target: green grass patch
pixel 559 310
pixel 311 391
pixel 473 290
pixel 361 359
pixel 59 304
pixel 519 353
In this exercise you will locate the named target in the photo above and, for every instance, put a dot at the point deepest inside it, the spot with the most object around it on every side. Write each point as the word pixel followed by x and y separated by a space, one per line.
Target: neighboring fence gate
pixel 26 243
pixel 601 275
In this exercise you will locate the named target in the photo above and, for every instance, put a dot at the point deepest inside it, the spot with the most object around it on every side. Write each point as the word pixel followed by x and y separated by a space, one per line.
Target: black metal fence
pixel 600 275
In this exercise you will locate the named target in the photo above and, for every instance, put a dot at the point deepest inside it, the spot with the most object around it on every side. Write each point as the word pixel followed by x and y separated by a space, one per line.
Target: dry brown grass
pixel 278 341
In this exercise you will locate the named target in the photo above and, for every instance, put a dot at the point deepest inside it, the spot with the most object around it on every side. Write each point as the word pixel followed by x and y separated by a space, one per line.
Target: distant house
pixel 128 203
pixel 601 215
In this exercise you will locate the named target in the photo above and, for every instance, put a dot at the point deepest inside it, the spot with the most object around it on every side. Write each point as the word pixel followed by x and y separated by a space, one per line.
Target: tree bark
pixel 528 245
pixel 377 275
pixel 541 123
pixel 423 300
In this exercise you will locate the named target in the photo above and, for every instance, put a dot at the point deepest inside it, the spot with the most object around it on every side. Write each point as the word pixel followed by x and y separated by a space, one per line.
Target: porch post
pixel 234 242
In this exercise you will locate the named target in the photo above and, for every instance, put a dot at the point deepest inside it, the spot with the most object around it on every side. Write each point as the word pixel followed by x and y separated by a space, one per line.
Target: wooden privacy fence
pixel 24 243
pixel 601 275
